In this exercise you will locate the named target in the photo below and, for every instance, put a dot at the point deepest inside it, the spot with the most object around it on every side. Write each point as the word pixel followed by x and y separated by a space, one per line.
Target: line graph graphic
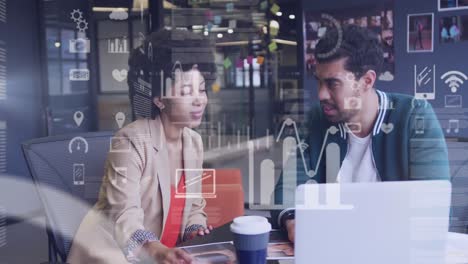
pixel 303 146
pixel 290 147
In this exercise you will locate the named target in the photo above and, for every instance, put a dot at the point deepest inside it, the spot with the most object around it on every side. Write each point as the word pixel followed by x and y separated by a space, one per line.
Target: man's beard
pixel 343 116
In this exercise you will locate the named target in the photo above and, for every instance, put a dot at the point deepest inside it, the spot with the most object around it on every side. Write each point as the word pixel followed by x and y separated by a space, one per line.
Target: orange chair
pixel 229 201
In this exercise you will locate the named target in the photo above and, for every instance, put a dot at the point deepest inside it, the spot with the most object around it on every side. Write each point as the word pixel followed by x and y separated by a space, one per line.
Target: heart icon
pixel 387 128
pixel 120 76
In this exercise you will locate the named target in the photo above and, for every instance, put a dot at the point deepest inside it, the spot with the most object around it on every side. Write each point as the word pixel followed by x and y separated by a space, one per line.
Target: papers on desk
pixel 225 252
pixel 457 248
pixel 212 253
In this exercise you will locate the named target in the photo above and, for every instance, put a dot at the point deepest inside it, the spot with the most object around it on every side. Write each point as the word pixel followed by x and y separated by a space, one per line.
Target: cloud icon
pixel 386 77
pixel 118 15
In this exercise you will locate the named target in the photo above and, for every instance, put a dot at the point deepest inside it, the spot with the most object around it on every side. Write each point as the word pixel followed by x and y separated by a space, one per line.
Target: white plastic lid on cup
pixel 250 225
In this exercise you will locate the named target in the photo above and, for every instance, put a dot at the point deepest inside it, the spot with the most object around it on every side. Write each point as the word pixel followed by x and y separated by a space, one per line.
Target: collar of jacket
pixel 341 134
pixel 157 133
pixel 192 160
pixel 158 138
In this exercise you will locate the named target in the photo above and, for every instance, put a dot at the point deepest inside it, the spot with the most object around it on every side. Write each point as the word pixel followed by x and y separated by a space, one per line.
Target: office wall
pixel 20 120
pixel 20 110
pixel 446 57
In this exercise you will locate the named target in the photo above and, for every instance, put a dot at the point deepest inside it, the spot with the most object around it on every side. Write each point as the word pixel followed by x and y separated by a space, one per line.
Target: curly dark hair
pixel 152 63
pixel 360 45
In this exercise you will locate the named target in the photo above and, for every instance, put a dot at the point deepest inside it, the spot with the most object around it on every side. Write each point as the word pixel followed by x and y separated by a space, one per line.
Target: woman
pixel 454 30
pixel 138 216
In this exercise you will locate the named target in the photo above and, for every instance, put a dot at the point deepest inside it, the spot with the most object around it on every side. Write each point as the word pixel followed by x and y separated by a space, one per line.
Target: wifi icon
pixel 454 79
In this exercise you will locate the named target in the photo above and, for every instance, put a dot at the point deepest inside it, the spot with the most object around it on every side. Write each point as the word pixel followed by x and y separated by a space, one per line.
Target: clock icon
pixel 78 144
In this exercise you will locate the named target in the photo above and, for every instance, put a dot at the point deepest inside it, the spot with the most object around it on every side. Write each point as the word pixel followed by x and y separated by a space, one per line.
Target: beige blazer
pixel 135 193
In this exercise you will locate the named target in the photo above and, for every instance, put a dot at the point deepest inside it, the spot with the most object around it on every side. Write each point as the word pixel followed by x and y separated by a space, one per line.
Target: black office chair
pixel 459 170
pixel 73 164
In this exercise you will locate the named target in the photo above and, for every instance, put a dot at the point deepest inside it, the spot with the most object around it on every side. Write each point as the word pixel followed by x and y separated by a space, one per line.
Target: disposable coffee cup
pixel 251 235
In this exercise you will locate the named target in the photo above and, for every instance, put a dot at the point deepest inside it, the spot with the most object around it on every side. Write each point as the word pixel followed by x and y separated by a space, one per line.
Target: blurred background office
pixel 64 63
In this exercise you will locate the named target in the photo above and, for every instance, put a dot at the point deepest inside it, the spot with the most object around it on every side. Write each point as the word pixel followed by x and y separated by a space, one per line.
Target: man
pixel 381 136
pixel 419 27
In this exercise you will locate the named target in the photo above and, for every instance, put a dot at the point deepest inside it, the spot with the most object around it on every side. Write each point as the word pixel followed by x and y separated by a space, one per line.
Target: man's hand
pixel 290 226
pixel 162 254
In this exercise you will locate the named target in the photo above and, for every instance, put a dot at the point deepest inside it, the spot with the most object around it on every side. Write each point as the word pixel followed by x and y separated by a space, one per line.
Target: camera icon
pixel 352 103
pixel 79 45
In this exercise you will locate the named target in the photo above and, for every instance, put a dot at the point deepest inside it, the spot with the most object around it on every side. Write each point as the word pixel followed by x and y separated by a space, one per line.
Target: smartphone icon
pixel 78 174
pixel 424 82
pixel 419 125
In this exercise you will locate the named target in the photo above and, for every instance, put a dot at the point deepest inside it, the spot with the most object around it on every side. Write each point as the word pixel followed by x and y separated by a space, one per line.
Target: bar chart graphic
pixel 117 45
pixel 266 183
pixel 291 146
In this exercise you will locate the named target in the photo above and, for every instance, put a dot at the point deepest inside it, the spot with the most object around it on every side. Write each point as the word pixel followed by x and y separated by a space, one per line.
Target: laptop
pixel 385 222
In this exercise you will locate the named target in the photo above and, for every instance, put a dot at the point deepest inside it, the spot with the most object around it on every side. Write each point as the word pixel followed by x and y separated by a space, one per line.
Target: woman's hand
pixel 162 254
pixel 204 231
pixel 201 231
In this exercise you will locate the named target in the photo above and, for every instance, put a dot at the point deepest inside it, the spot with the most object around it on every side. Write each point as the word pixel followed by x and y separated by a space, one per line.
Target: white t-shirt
pixel 358 165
